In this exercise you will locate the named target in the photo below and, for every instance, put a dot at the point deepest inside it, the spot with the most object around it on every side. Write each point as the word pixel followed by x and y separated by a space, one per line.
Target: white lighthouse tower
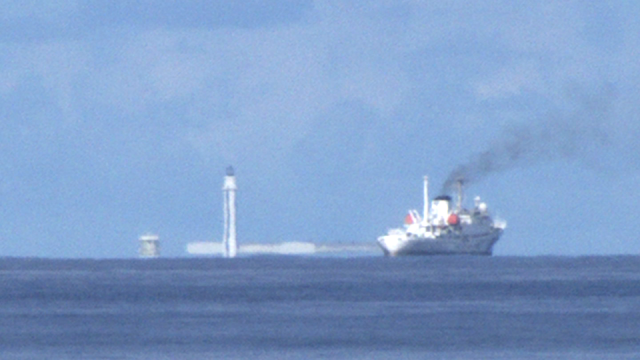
pixel 229 238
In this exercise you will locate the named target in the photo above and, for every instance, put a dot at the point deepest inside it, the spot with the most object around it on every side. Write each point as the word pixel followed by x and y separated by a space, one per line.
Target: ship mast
pixel 425 214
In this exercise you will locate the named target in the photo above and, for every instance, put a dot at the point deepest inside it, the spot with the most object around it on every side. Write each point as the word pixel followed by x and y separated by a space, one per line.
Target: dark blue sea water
pixel 321 308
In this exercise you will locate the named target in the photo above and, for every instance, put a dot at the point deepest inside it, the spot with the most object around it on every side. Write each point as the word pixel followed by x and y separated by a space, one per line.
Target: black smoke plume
pixel 570 133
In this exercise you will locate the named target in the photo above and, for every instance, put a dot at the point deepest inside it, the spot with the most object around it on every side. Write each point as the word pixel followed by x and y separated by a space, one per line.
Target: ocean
pixel 279 307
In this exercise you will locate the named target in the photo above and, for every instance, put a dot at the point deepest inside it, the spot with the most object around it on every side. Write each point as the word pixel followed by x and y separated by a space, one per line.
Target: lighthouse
pixel 229 237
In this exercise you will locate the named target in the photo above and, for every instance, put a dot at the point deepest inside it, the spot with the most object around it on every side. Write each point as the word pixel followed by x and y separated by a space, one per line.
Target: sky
pixel 119 118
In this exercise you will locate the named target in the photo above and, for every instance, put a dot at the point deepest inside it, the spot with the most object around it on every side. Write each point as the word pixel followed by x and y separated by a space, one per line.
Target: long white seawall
pixel 285 248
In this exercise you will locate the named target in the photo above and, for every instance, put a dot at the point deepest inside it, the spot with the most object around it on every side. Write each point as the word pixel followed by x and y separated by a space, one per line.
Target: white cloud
pixel 42 10
pixel 271 82
pixel 57 65
pixel 510 81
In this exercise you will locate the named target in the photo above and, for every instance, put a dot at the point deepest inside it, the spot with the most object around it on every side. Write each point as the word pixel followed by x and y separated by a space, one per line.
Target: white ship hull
pixel 444 230
pixel 452 244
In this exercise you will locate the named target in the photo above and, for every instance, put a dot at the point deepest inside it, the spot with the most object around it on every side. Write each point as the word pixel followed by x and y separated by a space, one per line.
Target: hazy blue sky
pixel 119 118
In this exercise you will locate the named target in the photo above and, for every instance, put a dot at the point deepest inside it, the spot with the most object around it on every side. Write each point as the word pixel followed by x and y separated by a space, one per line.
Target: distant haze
pixel 118 118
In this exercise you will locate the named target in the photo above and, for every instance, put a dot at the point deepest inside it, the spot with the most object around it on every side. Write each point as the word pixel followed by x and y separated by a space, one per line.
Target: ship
pixel 445 228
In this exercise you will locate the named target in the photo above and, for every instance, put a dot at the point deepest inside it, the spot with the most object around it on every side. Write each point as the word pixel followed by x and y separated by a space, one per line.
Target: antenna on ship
pixel 459 183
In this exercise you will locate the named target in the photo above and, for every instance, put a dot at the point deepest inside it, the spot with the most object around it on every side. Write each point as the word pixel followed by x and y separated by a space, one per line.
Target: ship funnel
pixel 441 208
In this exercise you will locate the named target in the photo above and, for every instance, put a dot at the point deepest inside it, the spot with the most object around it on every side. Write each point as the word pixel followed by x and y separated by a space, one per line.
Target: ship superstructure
pixel 446 228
